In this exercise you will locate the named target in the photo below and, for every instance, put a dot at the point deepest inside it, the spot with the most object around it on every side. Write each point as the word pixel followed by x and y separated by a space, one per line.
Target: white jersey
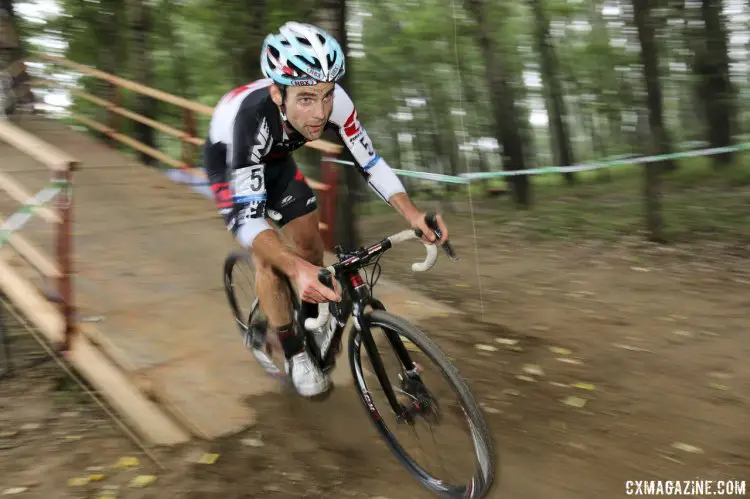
pixel 248 124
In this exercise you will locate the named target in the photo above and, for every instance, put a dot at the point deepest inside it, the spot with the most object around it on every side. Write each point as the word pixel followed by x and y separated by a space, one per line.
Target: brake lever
pixel 431 220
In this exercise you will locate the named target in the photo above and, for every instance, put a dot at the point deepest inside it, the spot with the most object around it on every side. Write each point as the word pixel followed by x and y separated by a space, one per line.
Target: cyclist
pixel 253 130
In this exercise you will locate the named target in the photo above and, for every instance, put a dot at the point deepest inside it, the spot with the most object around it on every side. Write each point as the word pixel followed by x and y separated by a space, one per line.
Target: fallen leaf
pixel 533 369
pixel 485 348
pixel 506 341
pixel 560 351
pixel 577 402
pixel 142 481
pixel 252 442
pixel 687 448
pixel 409 345
pixel 718 386
pixel 682 332
pixel 127 462
pixel 569 361
pixel 15 490
pixel 78 482
pixel 208 458
pixel 584 386
pixel 630 347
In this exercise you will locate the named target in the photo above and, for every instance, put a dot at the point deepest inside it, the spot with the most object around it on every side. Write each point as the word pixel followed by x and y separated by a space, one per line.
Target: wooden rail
pixel 61 166
pixel 53 313
pixel 187 135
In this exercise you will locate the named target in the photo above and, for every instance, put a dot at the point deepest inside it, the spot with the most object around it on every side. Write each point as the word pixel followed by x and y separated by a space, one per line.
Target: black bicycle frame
pixel 360 295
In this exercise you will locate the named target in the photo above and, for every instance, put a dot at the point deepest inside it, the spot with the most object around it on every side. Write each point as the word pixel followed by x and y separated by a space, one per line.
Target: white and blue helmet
pixel 301 55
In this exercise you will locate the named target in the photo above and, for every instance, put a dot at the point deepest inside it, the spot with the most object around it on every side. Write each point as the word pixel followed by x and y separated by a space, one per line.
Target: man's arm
pixel 380 177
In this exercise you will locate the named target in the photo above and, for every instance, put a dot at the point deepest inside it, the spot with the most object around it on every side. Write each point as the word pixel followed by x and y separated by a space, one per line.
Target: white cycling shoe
pixel 307 379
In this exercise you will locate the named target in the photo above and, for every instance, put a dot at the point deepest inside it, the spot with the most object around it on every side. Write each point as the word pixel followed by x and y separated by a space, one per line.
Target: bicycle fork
pixel 362 299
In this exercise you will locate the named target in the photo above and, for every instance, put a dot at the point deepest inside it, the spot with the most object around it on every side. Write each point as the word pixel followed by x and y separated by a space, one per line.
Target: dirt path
pixel 661 335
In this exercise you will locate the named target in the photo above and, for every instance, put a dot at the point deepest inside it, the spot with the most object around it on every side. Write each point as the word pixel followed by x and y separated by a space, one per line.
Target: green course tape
pixel 26 211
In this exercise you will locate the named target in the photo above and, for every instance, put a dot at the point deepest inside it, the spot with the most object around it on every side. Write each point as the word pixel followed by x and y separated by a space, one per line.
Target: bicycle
pixel 356 297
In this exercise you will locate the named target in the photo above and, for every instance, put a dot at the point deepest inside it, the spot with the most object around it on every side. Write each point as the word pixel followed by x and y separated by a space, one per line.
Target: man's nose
pixel 319 112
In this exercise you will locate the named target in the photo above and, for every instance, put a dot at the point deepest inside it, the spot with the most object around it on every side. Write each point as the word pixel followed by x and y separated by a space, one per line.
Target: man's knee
pixel 310 248
pixel 305 236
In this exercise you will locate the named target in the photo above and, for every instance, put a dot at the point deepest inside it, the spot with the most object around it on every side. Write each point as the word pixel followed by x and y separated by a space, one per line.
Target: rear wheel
pixel 417 394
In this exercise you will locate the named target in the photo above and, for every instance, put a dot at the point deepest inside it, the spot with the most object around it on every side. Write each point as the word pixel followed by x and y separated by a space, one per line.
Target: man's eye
pixel 306 100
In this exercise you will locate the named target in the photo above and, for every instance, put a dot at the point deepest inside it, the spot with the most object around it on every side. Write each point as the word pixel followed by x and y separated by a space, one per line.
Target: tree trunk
pixel 652 180
pixel 712 64
pixel 559 132
pixel 507 124
pixel 177 48
pixel 143 71
pixel 255 32
pixel 332 18
pixel 15 87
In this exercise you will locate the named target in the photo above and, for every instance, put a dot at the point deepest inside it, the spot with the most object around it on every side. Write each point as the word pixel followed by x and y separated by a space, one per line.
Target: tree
pixel 506 113
pixel 660 139
pixel 142 67
pixel 559 133
pixel 332 18
pixel 11 50
pixel 715 87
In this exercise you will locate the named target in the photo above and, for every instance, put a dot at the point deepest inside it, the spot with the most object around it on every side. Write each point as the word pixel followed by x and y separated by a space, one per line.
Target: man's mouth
pixel 314 128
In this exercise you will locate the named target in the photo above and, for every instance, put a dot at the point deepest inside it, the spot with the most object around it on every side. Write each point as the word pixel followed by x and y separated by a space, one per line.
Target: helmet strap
pixel 282 107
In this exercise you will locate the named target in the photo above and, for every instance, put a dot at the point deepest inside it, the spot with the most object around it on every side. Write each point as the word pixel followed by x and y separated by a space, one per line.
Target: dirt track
pixel 661 334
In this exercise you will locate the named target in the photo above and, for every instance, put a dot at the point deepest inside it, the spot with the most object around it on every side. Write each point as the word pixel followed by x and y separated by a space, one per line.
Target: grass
pixel 698 202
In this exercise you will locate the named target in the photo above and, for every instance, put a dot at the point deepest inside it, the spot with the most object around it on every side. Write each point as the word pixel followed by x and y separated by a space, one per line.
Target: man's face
pixel 308 108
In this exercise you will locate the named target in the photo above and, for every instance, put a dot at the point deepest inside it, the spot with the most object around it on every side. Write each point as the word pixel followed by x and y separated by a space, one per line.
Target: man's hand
pixel 428 235
pixel 309 286
pixel 416 218
pixel 269 248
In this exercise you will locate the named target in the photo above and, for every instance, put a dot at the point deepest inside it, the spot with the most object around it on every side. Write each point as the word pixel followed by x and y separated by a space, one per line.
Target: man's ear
pixel 276 95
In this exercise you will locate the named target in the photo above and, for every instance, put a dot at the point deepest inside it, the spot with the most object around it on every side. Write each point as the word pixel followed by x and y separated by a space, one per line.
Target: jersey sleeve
pixel 380 177
pixel 251 141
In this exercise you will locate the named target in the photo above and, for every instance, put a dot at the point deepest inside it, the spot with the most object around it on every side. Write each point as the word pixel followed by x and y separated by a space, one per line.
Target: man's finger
pixel 326 293
pixel 314 296
pixel 428 234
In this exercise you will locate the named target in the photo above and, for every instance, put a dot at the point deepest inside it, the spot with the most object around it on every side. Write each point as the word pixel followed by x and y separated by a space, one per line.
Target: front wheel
pixel 416 393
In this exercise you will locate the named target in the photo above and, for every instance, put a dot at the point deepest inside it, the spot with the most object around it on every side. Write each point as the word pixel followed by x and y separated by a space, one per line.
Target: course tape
pixel 18 219
pixel 466 178
pixel 608 164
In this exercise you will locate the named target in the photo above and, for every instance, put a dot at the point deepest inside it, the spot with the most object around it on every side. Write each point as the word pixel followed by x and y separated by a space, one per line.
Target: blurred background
pixel 451 87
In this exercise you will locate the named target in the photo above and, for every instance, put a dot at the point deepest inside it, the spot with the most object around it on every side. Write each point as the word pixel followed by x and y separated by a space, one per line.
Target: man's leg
pixel 275 302
pixel 304 233
pixel 294 207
